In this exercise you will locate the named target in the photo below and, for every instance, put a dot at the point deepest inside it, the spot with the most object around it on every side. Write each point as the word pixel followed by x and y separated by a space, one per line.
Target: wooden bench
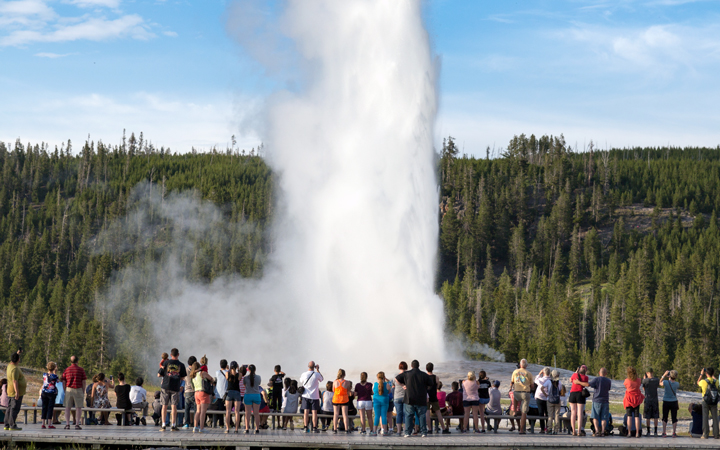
pixel 85 411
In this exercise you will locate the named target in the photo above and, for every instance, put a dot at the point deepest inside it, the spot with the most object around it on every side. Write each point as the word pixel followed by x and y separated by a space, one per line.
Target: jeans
pixel 410 412
pixel 707 411
pixel 189 404
pixel 12 411
pixel 542 410
pixel 380 408
pixel 399 411
pixel 48 404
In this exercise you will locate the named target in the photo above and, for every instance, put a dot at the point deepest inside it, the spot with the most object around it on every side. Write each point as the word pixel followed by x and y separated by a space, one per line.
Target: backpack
pixel 711 393
pixel 554 393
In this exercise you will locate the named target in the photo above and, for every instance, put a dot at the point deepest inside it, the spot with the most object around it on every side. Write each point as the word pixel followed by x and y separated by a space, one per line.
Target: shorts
pixel 391 406
pixel 233 396
pixel 202 398
pixel 434 407
pixel 266 409
pixel 311 404
pixel 366 405
pixel 651 410
pixel 633 410
pixel 484 401
pixel 169 398
pixel 524 399
pixel 600 411
pixel 252 399
pixel 577 397
pixel 470 403
pixel 341 404
pixel 74 398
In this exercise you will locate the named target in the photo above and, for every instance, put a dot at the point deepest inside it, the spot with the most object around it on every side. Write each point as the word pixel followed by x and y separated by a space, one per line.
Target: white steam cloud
pixel 350 282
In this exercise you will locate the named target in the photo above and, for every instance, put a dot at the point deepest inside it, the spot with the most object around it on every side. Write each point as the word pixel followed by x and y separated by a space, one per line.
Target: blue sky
pixel 621 73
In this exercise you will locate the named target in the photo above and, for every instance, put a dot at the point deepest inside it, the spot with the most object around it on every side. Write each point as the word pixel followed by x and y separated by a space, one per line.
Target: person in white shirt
pixel 138 398
pixel 309 382
pixel 543 382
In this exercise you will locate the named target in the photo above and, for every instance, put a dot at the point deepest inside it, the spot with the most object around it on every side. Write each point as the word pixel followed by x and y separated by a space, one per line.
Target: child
pixel 157 409
pixel 277 390
pixel 292 397
pixel 327 406
pixel 48 394
pixel 455 404
pixel 164 357
pixel 203 364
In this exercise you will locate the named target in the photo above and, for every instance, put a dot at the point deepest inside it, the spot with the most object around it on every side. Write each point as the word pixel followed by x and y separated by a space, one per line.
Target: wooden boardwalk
pixel 112 435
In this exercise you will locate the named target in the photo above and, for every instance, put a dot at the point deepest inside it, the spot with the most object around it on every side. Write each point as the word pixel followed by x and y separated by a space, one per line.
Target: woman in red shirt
pixel 576 400
pixel 633 399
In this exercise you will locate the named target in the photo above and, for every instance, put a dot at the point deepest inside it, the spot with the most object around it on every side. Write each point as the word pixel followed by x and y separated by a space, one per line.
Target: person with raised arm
pixel 709 388
pixel 670 401
pixel 632 400
pixel 309 383
pixel 577 400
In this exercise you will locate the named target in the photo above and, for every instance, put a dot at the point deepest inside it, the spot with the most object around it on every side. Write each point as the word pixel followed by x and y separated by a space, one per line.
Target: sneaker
pixel 50 427
pixel 174 428
pixel 372 433
pixel 406 435
pixel 199 430
pixel 307 430
pixel 142 421
pixel 423 435
pixel 162 428
pixel 15 428
pixel 334 431
pixel 43 427
pixel 446 431
pixel 186 426
pixel 194 429
pixel 6 428
pixel 316 430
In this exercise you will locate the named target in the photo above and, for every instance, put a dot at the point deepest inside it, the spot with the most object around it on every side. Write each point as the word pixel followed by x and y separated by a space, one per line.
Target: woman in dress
pixel 632 400
pixel 99 396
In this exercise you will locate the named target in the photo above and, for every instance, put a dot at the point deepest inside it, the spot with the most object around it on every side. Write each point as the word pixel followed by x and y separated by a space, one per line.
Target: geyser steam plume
pixel 350 280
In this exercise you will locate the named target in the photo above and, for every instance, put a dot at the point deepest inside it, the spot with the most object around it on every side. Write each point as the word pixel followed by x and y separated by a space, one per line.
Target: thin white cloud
pixel 95 3
pixel 94 29
pixel 53 55
pixel 170 33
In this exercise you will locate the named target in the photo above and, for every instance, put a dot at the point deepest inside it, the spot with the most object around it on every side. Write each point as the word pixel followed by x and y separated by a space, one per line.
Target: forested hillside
pixel 607 258
pixel 64 233
pixel 544 255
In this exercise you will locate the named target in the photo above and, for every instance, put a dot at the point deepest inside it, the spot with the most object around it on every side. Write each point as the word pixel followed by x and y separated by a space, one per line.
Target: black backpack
pixel 711 393
pixel 554 393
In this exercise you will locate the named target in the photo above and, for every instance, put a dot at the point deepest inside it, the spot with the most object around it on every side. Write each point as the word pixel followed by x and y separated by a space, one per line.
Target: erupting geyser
pixel 351 276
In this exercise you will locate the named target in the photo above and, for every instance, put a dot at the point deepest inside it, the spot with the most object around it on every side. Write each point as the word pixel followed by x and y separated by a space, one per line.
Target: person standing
pixel 364 391
pixel 48 394
pixel 16 387
pixel 189 395
pixel 253 398
pixel 576 400
pixel 543 386
pixel 399 398
pixel 601 401
pixel 416 384
pixel 709 388
pixel 433 400
pixel 172 373
pixel 651 409
pixel 340 401
pixel 74 379
pixel 233 396
pixel 381 402
pixel 310 384
pixel 200 380
pixel 670 401
pixel 554 403
pixel 471 402
pixel 522 383
pixel 221 381
pixel 632 400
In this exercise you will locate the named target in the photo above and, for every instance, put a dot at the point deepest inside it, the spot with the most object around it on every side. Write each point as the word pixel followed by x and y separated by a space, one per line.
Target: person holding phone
pixel 309 382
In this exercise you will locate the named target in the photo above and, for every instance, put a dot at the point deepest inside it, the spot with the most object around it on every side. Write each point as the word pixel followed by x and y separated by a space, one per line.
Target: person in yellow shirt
pixel 521 383
pixel 708 381
pixel 15 390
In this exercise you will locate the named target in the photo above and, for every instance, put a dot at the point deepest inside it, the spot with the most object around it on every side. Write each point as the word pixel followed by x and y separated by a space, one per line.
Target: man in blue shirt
pixel 601 401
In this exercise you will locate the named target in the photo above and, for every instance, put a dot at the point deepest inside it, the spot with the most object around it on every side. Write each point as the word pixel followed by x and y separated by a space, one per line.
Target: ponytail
pixel 251 367
pixel 381 383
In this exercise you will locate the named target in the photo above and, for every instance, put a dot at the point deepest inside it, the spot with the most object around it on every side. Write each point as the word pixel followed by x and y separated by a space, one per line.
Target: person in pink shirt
pixel 471 401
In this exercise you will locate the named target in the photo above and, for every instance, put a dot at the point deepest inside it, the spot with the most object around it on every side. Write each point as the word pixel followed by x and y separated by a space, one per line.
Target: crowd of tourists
pixel 407 403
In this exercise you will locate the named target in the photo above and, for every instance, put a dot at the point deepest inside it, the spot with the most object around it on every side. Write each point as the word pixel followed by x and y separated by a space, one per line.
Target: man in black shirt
pixel 652 408
pixel 416 384
pixel 172 372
